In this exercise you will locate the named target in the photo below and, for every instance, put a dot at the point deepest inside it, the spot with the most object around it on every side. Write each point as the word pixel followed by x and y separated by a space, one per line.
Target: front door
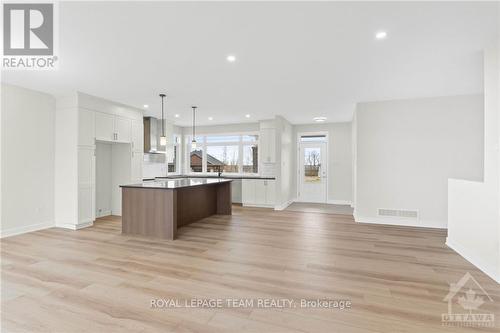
pixel 312 172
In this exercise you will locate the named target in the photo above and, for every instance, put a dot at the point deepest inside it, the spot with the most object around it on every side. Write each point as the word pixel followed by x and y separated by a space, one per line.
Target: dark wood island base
pixel 157 209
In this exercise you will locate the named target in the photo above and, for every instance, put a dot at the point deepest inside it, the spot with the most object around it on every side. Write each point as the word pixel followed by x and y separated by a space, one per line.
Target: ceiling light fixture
pixel 319 119
pixel 247 115
pixel 146 106
pixel 381 35
pixel 163 138
pixel 193 141
pixel 176 115
pixel 231 58
pixel 210 118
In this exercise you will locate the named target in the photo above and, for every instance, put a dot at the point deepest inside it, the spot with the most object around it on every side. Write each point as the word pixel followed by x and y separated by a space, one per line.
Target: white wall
pixel 120 174
pixel 339 159
pixel 473 207
pixel 103 179
pixel 284 163
pixel 407 150
pixel 28 120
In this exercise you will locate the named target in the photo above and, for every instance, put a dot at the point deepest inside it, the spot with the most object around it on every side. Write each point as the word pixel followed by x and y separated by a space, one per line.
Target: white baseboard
pixel 24 229
pixel 78 226
pixel 339 202
pixel 399 221
pixel 474 259
pixel 104 213
pixel 283 206
pixel 257 206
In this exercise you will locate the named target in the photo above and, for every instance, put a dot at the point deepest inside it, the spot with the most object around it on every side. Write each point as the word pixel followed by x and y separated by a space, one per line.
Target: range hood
pixel 152 128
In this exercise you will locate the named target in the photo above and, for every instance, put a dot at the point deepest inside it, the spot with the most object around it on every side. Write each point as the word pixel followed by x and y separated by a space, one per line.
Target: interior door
pixel 313 172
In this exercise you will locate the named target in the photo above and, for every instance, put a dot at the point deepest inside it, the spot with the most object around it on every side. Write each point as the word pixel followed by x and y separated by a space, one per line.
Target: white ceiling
pixel 294 59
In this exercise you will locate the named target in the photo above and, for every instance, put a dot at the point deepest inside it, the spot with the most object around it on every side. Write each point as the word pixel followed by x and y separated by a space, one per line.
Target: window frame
pixel 204 144
pixel 176 144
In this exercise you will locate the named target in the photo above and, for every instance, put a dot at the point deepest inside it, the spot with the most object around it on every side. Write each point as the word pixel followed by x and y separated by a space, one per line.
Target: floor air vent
pixel 409 214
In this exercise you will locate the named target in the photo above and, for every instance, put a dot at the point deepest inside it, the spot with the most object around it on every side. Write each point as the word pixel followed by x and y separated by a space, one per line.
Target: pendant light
pixel 193 142
pixel 163 138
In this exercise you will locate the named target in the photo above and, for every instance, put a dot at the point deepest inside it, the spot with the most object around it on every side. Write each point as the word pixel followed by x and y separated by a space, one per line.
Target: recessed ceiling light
pixel 231 58
pixel 319 119
pixel 247 115
pixel 210 118
pixel 381 35
pixel 146 106
pixel 176 115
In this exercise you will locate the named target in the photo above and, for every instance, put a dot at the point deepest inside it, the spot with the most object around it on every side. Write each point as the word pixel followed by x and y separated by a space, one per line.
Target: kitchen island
pixel 158 208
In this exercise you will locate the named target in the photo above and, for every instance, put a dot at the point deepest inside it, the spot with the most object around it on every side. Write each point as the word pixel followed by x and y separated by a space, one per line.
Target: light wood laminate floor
pixel 97 280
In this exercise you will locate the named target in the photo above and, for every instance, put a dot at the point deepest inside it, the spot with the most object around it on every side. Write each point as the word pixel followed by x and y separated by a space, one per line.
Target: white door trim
pixel 297 174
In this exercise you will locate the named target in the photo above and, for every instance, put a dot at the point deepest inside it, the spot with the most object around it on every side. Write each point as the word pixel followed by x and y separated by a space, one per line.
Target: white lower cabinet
pixel 258 192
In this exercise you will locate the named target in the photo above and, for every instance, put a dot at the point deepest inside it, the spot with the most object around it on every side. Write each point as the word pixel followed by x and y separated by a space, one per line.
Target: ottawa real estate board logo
pixel 465 299
pixel 29 36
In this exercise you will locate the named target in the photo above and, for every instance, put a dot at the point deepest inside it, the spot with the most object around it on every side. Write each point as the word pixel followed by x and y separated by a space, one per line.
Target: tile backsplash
pixel 154 166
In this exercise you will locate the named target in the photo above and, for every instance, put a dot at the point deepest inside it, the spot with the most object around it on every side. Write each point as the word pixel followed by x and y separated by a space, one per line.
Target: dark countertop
pixel 216 177
pixel 178 183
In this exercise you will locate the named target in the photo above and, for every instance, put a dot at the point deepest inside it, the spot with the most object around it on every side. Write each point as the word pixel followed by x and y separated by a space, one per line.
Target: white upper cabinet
pixel 112 128
pixel 137 135
pixel 104 127
pixel 86 128
pixel 267 145
pixel 123 129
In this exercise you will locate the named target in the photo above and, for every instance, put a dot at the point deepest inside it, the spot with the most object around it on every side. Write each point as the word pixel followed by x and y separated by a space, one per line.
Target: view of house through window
pixel 222 158
pixel 196 160
pixel 225 154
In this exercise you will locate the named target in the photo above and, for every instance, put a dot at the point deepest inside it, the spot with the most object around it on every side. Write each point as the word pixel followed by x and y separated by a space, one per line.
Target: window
pixel 224 153
pixel 312 163
pixel 250 159
pixel 222 158
pixel 222 138
pixel 173 159
pixel 196 160
pixel 196 155
pixel 313 138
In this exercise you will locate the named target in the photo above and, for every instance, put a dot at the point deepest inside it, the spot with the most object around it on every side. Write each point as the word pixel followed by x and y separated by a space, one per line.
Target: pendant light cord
pixel 194 119
pixel 162 118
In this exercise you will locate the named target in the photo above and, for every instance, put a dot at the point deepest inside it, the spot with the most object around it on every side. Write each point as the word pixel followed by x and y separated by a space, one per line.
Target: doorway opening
pixel 312 168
